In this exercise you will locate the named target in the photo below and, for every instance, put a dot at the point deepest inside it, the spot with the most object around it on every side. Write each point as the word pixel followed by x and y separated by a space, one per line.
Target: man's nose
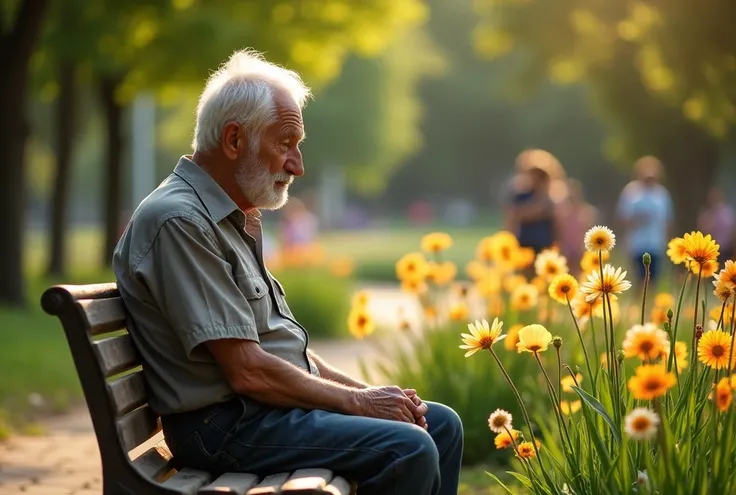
pixel 295 164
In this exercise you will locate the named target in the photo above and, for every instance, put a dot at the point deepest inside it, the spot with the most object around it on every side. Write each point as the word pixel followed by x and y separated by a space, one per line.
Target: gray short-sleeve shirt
pixel 190 269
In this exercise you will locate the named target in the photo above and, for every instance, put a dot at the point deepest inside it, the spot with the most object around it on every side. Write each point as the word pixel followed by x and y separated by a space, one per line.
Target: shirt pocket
pixel 281 298
pixel 255 290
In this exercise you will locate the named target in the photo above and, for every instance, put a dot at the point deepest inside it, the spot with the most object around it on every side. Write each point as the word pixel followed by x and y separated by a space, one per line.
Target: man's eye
pixel 284 146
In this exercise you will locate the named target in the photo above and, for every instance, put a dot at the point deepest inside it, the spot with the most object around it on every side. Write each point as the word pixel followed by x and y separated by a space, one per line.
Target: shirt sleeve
pixel 193 285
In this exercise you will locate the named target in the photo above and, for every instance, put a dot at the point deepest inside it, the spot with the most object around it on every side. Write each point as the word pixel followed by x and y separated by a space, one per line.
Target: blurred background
pixel 421 108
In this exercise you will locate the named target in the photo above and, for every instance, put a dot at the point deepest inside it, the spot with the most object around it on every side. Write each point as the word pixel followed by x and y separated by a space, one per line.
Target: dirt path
pixel 66 460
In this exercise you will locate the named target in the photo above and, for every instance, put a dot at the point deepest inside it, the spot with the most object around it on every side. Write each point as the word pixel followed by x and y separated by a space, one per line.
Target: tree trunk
pixel 113 189
pixel 65 131
pixel 690 158
pixel 16 47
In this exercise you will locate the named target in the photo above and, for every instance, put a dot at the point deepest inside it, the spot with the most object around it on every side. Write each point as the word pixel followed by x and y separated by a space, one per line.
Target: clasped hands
pixel 393 403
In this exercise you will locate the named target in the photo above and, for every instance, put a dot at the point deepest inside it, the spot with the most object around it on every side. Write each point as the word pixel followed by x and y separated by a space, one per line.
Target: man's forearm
pixel 333 374
pixel 278 383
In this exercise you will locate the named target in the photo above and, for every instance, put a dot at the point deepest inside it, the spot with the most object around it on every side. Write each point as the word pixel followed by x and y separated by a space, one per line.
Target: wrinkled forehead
pixel 289 121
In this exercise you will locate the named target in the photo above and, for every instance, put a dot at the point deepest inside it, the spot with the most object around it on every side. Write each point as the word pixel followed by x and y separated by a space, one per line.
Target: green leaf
pixel 597 407
pixel 522 479
pixel 495 478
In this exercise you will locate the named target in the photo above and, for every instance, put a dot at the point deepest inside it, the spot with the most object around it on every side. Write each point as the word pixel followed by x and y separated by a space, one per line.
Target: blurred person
pixel 645 212
pixel 717 218
pixel 530 210
pixel 227 364
pixel 575 217
pixel 298 227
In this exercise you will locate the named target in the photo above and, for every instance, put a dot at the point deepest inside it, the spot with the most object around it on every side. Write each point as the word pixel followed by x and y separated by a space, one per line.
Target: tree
pixel 20 27
pixel 368 121
pixel 662 73
pixel 131 46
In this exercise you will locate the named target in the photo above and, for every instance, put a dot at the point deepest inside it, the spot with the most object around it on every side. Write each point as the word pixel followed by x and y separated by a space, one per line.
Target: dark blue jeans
pixel 383 457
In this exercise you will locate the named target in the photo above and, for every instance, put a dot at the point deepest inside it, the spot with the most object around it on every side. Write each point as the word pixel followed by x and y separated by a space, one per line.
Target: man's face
pixel 264 175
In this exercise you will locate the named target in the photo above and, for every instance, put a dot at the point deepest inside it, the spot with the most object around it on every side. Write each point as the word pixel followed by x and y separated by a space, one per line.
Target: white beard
pixel 258 185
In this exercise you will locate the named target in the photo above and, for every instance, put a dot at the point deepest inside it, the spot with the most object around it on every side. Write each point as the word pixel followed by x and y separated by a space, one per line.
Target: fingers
pixel 409 392
pixel 422 421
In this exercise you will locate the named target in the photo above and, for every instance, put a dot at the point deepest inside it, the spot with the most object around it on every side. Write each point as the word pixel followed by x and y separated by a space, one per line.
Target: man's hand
pixel 422 408
pixel 387 403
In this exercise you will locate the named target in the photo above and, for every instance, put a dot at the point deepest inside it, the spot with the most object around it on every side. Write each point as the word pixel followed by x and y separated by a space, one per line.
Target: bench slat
pixel 237 483
pixel 116 354
pixel 136 427
pixel 104 315
pixel 270 485
pixel 307 481
pixel 155 463
pixel 128 393
pixel 339 486
pixel 188 481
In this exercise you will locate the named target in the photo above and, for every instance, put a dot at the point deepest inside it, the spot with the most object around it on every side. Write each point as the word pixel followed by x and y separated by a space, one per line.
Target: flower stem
pixel 697 297
pixel 673 356
pixel 520 401
pixel 582 344
pixel 555 403
pixel 615 394
pixel 647 276
pixel 730 354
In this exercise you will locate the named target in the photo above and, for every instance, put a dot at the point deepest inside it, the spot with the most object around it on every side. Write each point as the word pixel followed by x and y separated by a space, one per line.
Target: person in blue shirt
pixel 645 212
pixel 530 210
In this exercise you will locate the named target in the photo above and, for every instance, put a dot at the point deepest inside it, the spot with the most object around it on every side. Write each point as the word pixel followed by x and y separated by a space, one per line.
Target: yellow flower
pixel 641 423
pixel 504 246
pixel 484 250
pixel 676 250
pixel 699 248
pixel 436 242
pixel 412 266
pixel 476 270
pixel 581 308
pixel 722 291
pixel 597 309
pixel 567 382
pixel 524 258
pixel 533 338
pixel 512 337
pixel 524 297
pixel 651 381
pixel 360 323
pixel 680 355
pixel 504 440
pixel 604 360
pixel 591 261
pixel 526 450
pixel 714 349
pixel 539 283
pixel 489 286
pixel 511 282
pixel 499 421
pixel 709 268
pixel 459 312
pixel 715 313
pixel 414 286
pixel 563 288
pixel 361 298
pixel 441 273
pixel 482 336
pixel 342 267
pixel 613 282
pixel 549 264
pixel 599 238
pixel 647 342
pixel 658 315
pixel 570 407
pixel 724 394
pixel 727 276
pixel 664 300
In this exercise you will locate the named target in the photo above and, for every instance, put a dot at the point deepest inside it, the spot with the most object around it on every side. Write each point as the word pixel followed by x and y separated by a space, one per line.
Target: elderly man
pixel 227 364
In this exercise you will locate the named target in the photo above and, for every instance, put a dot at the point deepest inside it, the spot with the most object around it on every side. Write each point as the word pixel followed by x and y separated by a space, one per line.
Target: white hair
pixel 241 90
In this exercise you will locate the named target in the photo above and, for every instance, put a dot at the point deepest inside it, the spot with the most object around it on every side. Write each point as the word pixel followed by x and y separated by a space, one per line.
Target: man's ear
pixel 233 141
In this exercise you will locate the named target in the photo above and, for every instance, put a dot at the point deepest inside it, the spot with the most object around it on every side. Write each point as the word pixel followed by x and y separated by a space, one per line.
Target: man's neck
pixel 222 173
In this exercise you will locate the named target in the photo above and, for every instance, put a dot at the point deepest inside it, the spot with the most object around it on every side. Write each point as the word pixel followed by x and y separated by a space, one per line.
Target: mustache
pixel 283 177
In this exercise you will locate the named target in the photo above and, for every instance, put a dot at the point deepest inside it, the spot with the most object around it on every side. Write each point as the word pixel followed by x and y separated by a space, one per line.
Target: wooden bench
pixel 135 458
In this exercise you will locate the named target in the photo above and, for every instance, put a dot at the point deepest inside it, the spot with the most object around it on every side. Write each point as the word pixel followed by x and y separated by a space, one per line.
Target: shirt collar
pixel 218 204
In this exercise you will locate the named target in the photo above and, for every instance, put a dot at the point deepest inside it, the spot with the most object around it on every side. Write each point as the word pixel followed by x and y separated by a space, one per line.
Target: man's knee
pixel 445 418
pixel 417 451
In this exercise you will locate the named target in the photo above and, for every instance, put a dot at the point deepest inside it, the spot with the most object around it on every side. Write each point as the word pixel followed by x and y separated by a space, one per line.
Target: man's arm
pixel 269 379
pixel 333 374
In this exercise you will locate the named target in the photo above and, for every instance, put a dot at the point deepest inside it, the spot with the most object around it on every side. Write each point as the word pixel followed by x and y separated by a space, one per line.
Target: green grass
pixel 475 481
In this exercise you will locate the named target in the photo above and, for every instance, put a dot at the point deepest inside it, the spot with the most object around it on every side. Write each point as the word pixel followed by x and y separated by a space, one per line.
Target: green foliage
pixel 319 300
pixel 434 365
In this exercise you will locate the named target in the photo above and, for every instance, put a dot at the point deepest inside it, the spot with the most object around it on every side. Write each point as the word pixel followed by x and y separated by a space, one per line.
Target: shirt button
pixel 258 290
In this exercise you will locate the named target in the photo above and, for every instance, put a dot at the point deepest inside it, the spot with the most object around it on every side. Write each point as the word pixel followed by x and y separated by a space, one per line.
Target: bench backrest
pixel 108 365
